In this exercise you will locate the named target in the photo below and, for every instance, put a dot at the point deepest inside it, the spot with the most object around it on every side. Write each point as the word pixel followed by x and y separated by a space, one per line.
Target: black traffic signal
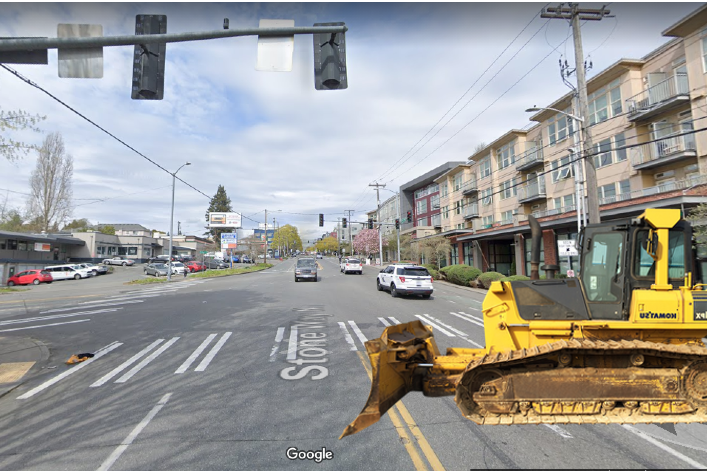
pixel 149 59
pixel 370 223
pixel 321 220
pixel 330 59
pixel 397 223
pixel 343 223
pixel 409 216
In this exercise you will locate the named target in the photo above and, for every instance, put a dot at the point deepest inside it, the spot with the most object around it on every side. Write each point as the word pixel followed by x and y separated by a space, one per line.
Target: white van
pixel 66 272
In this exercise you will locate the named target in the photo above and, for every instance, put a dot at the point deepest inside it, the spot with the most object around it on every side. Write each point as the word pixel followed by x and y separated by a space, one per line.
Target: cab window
pixel 643 264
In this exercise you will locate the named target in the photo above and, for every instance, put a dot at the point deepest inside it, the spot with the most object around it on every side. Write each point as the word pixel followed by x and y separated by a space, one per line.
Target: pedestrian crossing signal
pixel 397 223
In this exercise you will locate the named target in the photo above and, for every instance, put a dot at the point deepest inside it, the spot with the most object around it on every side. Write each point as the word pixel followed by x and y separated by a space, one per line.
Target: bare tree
pixel 16 121
pixel 51 197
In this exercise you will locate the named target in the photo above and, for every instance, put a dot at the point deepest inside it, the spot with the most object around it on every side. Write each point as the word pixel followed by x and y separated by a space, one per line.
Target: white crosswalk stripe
pixel 358 332
pixel 57 316
pixel 348 337
pixel 278 341
pixel 468 318
pixel 129 362
pixel 185 366
pixel 118 303
pixel 210 356
pixel 146 361
pixel 461 334
pixel 435 326
pixel 388 322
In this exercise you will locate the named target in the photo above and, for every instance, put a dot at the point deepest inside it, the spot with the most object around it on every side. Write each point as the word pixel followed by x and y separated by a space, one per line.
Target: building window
pixel 565 203
pixel 561 169
pixel 100 250
pixel 704 51
pixel 559 127
pixel 458 181
pixel 421 206
pixel 603 153
pixel 508 189
pixel 485 167
pixel 528 248
pixel 11 244
pixel 468 249
pixel 607 193
pixel 624 190
pixel 433 188
pixel 444 189
pixel 122 250
pixel 486 198
pixel 22 245
pixel 3 244
pixel 458 207
pixel 487 221
pixel 605 103
pixel 445 212
pixel 619 142
pixel 507 217
pixel 112 250
pixel 434 202
pixel 505 156
pixel 132 250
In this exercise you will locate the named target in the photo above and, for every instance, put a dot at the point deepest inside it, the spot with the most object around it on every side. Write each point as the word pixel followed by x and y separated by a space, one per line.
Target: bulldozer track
pixel 690 407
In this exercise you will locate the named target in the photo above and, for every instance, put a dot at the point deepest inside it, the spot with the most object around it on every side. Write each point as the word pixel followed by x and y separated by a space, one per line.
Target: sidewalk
pixel 17 356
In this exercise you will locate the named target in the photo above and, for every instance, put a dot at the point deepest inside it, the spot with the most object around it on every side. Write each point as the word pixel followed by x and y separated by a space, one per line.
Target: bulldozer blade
pixel 393 357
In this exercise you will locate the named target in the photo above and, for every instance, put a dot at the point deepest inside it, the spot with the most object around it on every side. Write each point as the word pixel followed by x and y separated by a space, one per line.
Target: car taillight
pixel 402 279
pixel 431 280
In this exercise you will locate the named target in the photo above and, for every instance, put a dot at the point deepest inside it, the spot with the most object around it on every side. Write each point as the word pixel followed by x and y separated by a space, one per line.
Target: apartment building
pixel 388 212
pixel 639 112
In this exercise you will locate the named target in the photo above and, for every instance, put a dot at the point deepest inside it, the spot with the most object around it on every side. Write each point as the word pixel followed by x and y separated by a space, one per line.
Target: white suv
pixel 405 279
pixel 351 265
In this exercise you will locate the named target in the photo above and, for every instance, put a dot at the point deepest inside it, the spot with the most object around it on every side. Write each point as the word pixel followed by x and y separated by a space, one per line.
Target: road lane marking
pixel 421 440
pixel 136 301
pixel 397 424
pixel 436 327
pixel 358 332
pixel 278 340
pixel 130 361
pixel 461 334
pixel 119 298
pixel 466 319
pixel 558 430
pixel 394 320
pixel 472 317
pixel 384 322
pixel 110 461
pixel 44 325
pixel 292 344
pixel 56 316
pixel 185 366
pixel 664 447
pixel 348 337
pixel 24 301
pixel 210 356
pixel 99 353
pixel 146 361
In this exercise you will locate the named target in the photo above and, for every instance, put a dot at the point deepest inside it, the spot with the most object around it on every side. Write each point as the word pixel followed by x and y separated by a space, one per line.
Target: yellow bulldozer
pixel 621 343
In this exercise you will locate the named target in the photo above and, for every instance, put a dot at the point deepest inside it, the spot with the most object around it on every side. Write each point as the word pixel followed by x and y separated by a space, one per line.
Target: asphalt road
pixel 230 373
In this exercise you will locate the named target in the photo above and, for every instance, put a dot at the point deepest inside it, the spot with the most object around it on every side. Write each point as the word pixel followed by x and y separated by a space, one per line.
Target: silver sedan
pixel 156 269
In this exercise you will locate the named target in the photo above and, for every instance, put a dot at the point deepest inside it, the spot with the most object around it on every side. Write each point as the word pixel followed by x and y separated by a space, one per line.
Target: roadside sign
pixel 229 240
pixel 225 220
pixel 566 248
pixel 204 252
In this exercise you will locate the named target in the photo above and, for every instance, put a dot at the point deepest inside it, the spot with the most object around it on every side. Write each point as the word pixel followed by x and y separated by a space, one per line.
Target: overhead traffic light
pixel 397 223
pixel 149 59
pixel 370 223
pixel 330 59
pixel 321 220
pixel 343 223
pixel 409 216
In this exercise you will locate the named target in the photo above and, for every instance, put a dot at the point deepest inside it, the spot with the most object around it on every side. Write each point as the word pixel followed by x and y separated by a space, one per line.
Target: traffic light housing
pixel 370 223
pixel 321 220
pixel 330 59
pixel 397 223
pixel 343 223
pixel 409 216
pixel 149 59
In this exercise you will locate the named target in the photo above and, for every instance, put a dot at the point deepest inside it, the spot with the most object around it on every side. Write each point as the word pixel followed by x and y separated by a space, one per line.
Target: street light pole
pixel 171 225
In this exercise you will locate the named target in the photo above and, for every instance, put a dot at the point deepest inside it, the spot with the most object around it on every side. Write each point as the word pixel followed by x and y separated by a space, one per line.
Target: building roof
pixel 56 238
pixel 688 24
pixel 126 227
pixel 429 177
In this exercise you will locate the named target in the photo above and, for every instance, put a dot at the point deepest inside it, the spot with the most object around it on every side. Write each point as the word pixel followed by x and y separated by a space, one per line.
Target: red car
pixel 195 266
pixel 30 276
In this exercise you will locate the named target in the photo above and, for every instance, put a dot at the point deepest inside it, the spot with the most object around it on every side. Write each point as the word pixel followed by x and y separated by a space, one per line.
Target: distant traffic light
pixel 321 220
pixel 149 59
pixel 409 216
pixel 397 223
pixel 343 223
pixel 370 223
pixel 330 59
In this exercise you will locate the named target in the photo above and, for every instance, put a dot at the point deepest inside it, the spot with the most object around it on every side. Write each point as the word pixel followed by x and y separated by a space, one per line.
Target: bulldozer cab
pixel 603 271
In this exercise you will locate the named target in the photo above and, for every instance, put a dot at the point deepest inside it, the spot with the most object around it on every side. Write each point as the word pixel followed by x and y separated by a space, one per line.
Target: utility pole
pixel 378 217
pixel 575 15
pixel 350 224
pixel 266 236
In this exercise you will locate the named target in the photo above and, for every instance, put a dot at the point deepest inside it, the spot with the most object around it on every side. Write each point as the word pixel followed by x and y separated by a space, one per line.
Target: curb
pixel 40 362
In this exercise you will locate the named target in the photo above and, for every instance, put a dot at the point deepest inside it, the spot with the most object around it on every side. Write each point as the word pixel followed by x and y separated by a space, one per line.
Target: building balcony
pixel 535 190
pixel 663 96
pixel 533 158
pixel 469 187
pixel 436 221
pixel 654 190
pixel 471 211
pixel 663 151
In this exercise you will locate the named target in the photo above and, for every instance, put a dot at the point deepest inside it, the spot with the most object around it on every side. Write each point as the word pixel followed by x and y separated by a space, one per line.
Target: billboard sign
pixel 40 247
pixel 229 240
pixel 224 219
pixel 260 234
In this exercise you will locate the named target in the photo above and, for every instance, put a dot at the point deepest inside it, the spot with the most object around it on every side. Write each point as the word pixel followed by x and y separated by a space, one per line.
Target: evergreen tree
pixel 220 203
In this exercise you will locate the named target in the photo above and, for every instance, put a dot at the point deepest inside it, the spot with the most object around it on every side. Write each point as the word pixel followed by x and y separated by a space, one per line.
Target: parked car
pixel 178 268
pixel 156 269
pixel 30 276
pixel 246 259
pixel 160 259
pixel 236 259
pixel 319 255
pixel 66 272
pixel 214 264
pixel 118 261
pixel 352 265
pixel 195 266
pixel 306 269
pixel 405 279
pixel 96 269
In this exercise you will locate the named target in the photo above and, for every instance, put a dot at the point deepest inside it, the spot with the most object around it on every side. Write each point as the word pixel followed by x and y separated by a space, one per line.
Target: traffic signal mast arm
pixel 24 44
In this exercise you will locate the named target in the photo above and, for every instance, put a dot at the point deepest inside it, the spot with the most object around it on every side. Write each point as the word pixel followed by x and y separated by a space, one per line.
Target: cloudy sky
pixel 427 83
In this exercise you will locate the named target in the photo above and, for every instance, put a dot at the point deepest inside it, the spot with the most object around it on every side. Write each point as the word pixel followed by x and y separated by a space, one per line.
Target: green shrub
pixel 461 274
pixel 515 278
pixel 487 278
